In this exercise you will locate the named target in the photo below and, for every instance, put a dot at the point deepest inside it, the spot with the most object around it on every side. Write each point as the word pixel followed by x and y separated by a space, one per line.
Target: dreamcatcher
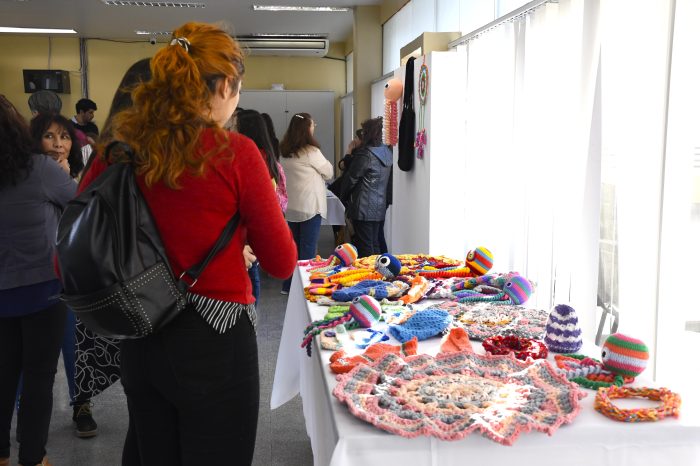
pixel 422 135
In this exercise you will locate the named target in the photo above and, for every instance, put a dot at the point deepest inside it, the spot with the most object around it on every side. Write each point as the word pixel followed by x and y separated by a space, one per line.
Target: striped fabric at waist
pixel 221 315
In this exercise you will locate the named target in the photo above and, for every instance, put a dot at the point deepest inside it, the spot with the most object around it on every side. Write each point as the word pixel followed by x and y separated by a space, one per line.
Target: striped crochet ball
pixel 518 289
pixel 365 310
pixel 624 355
pixel 480 260
pixel 388 265
pixel 346 253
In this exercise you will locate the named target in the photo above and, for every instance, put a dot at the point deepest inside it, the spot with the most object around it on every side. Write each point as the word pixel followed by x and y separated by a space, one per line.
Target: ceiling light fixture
pixel 266 35
pixel 153 33
pixel 13 30
pixel 154 4
pixel 307 9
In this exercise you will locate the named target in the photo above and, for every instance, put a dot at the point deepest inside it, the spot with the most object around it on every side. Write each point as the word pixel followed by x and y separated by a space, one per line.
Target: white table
pixel 340 439
pixel 335 210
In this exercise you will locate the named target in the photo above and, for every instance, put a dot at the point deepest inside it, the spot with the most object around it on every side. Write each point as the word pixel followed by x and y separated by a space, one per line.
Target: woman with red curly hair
pixel 193 388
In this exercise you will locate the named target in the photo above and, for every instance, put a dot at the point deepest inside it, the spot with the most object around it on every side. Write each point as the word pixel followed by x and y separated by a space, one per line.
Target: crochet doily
pixel 454 394
pixel 482 320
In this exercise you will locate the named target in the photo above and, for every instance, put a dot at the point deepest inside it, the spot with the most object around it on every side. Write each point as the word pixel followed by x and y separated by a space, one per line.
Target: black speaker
pixel 50 80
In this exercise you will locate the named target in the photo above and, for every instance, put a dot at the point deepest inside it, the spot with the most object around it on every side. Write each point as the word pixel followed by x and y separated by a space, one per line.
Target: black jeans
pixel 193 394
pixel 30 345
pixel 366 237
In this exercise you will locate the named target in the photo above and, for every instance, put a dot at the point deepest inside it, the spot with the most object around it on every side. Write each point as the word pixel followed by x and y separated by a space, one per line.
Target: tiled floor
pixel 281 440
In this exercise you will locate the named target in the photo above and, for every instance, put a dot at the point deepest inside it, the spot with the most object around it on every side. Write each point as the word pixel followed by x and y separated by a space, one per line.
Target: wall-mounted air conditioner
pixel 306 46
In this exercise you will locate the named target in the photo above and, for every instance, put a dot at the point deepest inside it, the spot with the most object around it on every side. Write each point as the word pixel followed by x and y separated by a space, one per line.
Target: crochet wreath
pixel 452 395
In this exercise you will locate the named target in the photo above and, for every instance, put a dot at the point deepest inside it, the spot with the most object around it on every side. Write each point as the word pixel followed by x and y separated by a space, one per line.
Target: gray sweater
pixel 29 213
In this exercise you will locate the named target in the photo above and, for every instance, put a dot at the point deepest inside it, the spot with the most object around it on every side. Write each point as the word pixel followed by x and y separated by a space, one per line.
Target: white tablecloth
pixel 340 439
pixel 335 210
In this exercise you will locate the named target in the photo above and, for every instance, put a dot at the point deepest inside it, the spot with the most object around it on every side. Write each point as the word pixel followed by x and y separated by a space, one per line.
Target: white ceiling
pixel 94 19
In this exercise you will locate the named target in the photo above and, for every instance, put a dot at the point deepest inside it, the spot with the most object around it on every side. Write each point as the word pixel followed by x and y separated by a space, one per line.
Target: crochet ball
pixel 365 310
pixel 389 266
pixel 624 355
pixel 346 253
pixel 518 288
pixel 480 260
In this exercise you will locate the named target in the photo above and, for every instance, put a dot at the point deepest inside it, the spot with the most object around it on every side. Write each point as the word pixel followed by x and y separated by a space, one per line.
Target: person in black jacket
pixel 365 187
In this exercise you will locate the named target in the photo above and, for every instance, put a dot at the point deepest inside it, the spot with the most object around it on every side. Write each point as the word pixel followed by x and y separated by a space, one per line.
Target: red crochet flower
pixel 523 348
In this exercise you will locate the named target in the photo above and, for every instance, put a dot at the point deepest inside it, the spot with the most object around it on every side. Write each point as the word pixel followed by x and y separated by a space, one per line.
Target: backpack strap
pixel 196 270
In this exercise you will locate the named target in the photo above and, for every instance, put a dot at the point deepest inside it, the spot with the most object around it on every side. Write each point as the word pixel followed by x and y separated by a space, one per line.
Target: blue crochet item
pixel 374 288
pixel 422 325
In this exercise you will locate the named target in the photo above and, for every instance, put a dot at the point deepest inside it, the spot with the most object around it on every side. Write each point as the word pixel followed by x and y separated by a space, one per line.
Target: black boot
pixel 85 425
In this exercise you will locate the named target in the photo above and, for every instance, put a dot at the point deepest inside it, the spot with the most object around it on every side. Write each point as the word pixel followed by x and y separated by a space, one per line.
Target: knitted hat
pixel 518 289
pixel 624 355
pixel 389 266
pixel 45 101
pixel 480 260
pixel 346 253
pixel 365 310
pixel 563 331
pixel 422 325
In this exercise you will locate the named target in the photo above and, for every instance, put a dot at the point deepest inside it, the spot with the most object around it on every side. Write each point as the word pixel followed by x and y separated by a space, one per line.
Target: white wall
pixel 419 16
pixel 428 214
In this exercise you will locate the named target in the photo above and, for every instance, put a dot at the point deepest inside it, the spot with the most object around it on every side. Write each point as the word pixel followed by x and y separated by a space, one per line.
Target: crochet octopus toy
pixel 393 89
pixel 479 260
pixel 623 359
pixel 364 312
pixel 511 288
pixel 343 256
pixel 388 265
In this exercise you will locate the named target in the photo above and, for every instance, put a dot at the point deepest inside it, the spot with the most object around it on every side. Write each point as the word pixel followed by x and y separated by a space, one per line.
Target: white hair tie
pixel 182 42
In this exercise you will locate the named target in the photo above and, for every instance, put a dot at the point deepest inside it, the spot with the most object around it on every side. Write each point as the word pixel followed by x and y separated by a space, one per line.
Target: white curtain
pixel 680 218
pixel 531 133
pixel 635 64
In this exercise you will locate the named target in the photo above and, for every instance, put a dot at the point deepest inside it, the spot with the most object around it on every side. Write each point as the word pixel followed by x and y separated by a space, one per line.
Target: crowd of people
pixel 192 388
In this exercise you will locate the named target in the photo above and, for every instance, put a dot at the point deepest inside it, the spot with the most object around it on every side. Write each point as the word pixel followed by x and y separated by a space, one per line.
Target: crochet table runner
pixel 482 320
pixel 452 395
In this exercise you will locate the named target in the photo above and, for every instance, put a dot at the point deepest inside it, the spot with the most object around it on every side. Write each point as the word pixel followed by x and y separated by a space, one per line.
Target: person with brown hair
pixel 193 388
pixel 33 192
pixel 307 170
pixel 365 188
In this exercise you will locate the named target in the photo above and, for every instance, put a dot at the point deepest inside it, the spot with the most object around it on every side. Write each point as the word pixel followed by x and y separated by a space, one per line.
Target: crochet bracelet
pixel 522 348
pixel 670 403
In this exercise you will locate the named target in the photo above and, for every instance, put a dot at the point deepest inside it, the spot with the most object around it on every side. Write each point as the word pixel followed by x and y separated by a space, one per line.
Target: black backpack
pixel 115 273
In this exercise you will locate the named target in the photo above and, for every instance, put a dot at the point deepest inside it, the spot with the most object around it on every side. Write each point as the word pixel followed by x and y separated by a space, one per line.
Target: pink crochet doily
pixel 452 395
pixel 482 320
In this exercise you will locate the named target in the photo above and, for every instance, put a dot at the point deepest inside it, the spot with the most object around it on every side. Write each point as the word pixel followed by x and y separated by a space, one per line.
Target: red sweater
pixel 190 219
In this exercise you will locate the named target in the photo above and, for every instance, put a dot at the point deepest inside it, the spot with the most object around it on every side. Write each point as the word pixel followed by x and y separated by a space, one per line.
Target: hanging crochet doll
pixel 364 312
pixel 392 93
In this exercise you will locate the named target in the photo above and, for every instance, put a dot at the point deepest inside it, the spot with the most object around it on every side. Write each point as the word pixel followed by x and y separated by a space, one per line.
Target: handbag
pixel 407 125
pixel 113 266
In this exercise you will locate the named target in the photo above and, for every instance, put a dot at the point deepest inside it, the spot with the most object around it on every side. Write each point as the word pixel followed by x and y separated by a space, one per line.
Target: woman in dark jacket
pixel 365 188
pixel 33 192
